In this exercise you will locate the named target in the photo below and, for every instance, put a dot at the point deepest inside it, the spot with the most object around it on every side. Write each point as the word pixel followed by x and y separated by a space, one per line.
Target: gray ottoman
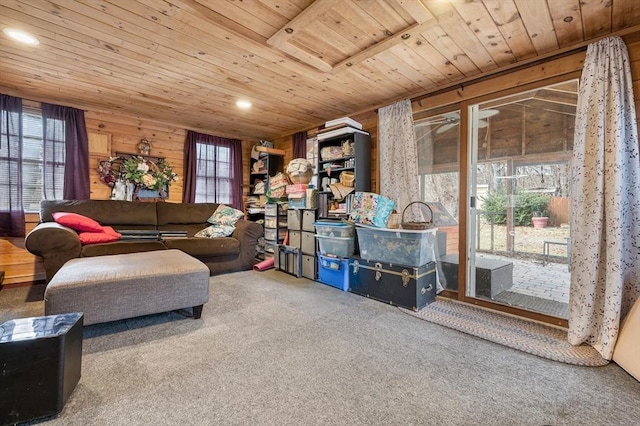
pixel 109 288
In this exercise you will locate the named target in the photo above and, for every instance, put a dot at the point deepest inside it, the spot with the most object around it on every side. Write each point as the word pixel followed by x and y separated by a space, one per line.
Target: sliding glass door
pixel 518 220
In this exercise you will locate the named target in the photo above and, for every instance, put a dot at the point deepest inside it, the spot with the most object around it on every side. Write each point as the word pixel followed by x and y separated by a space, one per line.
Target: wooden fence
pixel 559 210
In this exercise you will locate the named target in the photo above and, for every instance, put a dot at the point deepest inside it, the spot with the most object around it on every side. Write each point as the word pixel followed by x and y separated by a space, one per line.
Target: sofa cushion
pixel 209 247
pixel 190 228
pixel 126 214
pixel 121 247
pixel 107 235
pixel 184 213
pixel 77 222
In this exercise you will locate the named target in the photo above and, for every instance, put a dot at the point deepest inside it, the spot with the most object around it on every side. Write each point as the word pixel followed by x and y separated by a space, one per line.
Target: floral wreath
pixel 138 170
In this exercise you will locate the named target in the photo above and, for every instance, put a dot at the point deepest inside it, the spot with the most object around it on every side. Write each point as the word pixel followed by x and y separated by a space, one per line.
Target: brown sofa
pixel 57 244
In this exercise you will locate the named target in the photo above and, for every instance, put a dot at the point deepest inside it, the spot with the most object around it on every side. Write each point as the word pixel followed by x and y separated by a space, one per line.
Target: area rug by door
pixel 517 333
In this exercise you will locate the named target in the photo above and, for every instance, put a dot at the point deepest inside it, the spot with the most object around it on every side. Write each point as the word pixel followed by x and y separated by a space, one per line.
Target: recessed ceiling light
pixel 243 104
pixel 21 36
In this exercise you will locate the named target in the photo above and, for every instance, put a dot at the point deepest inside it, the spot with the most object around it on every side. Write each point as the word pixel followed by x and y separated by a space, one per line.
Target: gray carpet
pixel 272 349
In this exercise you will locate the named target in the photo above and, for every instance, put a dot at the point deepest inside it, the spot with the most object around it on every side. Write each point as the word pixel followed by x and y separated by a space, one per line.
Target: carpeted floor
pixel 517 333
pixel 271 349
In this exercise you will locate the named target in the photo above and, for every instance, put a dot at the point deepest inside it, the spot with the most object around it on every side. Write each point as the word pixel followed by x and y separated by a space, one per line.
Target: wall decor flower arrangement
pixel 129 174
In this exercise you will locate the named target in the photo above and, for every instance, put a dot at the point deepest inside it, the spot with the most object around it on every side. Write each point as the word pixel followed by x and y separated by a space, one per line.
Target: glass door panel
pixel 438 140
pixel 519 236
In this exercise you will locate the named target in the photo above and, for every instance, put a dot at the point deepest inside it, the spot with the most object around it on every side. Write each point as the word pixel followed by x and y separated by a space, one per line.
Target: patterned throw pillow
pixel 225 215
pixel 215 231
pixel 77 222
pixel 371 209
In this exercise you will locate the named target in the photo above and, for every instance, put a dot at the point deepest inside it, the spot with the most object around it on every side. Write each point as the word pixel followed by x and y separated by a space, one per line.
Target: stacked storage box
pixel 302 196
pixel 302 238
pixel 289 260
pixel 395 266
pixel 297 194
pixel 336 244
pixel 275 227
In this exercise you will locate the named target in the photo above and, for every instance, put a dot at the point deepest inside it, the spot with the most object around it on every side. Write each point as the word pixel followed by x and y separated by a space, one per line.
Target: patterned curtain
pixel 605 201
pixel 399 157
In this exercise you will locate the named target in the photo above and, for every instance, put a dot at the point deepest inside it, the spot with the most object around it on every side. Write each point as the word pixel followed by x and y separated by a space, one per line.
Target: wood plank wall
pixel 121 134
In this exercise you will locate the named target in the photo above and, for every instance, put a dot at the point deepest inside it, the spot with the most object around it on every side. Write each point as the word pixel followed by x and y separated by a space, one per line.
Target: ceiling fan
pixel 452 119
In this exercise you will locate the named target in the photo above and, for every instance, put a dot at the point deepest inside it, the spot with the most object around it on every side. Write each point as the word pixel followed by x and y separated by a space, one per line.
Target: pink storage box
pixel 298 188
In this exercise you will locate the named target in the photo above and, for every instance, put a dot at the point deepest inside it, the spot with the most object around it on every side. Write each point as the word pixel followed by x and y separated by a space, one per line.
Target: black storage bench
pixel 493 276
pixel 41 359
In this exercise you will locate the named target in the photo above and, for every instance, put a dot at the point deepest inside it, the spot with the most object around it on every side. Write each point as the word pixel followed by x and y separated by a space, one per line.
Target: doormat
pixel 533 303
pixel 517 333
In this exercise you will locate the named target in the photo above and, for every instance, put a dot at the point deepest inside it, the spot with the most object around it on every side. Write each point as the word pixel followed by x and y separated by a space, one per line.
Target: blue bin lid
pixel 330 223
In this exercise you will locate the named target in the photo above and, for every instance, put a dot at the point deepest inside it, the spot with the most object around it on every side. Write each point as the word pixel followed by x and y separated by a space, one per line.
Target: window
pixel 38 161
pixel 33 160
pixel 213 174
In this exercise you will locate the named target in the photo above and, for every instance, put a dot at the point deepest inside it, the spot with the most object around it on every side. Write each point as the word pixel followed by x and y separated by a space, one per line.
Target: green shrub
pixel 497 205
pixel 526 204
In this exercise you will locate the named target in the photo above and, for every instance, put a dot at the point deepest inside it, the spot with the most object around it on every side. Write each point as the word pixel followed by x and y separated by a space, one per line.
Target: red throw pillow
pixel 107 235
pixel 77 222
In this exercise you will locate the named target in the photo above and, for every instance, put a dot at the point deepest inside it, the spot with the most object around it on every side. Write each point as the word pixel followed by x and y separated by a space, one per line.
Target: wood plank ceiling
pixel 300 62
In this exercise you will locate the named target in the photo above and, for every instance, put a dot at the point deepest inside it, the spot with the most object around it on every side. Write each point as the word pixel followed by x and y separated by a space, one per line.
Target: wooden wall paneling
pixel 18 264
pixel 537 19
pixel 596 18
pixel 511 82
pixel 125 133
pixel 567 21
pixel 99 149
pixel 476 16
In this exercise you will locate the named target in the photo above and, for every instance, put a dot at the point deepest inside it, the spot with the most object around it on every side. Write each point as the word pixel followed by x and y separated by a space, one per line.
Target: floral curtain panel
pixel 399 157
pixel 605 202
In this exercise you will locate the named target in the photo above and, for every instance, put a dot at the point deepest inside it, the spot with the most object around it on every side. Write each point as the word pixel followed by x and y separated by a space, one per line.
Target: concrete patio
pixel 538 288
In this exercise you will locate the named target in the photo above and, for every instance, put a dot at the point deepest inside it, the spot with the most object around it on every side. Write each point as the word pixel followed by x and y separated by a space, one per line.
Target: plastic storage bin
pixel 289 260
pixel 334 229
pixel 334 272
pixel 397 246
pixel 298 203
pixel 336 246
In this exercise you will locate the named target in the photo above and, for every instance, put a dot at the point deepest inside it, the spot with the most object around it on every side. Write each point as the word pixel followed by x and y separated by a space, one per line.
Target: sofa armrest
pixel 247 233
pixel 56 244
